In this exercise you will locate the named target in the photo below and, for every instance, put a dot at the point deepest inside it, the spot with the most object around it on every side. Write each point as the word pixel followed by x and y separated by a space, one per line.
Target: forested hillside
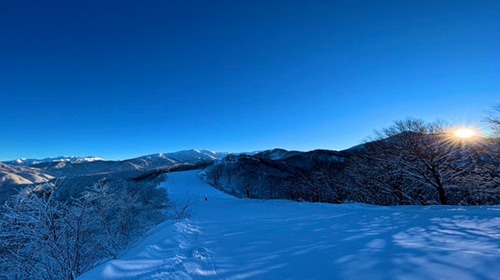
pixel 411 163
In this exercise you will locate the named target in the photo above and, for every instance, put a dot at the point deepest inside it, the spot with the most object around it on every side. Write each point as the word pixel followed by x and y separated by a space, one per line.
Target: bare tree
pixel 425 154
pixel 374 179
pixel 494 120
pixel 415 162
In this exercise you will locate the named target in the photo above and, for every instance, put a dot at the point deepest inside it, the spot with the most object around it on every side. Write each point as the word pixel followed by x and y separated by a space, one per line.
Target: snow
pixel 71 159
pixel 230 238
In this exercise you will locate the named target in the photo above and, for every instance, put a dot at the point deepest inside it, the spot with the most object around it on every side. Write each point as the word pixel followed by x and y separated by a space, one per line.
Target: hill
pixel 15 177
pixel 406 169
pixel 231 238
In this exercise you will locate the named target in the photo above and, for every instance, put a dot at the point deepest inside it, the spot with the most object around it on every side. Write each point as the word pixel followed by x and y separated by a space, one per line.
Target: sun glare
pixel 464 132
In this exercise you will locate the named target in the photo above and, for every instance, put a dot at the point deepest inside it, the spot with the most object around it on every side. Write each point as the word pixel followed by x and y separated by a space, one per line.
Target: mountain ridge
pixel 177 156
pixel 33 161
pixel 76 170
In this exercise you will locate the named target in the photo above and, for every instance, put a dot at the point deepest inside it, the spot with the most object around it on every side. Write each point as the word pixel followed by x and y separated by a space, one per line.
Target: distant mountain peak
pixel 192 155
pixel 68 159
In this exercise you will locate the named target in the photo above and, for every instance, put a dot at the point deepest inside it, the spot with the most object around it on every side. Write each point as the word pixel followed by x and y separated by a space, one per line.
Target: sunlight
pixel 464 132
pixel 460 136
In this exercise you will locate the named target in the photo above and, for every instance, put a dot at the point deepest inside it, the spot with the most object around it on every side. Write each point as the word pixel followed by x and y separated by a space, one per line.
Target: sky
pixel 120 79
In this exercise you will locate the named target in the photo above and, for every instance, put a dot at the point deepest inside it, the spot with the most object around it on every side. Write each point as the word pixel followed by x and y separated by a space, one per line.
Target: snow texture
pixel 230 238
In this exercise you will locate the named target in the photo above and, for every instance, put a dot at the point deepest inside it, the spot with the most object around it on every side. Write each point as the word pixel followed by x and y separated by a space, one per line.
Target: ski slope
pixel 230 238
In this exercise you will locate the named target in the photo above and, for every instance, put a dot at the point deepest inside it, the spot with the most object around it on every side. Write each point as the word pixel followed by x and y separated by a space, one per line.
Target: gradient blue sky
pixel 119 79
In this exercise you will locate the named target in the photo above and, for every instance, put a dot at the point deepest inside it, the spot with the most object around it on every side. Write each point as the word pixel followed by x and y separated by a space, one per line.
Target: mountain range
pixel 70 159
pixel 408 168
pixel 25 172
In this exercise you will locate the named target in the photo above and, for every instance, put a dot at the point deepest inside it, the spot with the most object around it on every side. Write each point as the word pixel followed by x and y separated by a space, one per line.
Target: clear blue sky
pixel 119 79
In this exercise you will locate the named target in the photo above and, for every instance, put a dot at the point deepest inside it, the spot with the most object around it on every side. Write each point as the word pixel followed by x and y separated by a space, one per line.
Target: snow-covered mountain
pixel 78 166
pixel 193 156
pixel 26 171
pixel 70 159
pixel 21 175
pixel 15 177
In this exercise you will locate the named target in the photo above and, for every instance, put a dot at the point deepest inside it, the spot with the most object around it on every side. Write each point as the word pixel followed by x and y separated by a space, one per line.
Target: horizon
pixel 456 131
pixel 157 153
pixel 119 80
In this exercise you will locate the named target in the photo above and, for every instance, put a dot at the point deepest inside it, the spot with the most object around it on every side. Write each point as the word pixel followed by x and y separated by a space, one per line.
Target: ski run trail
pixel 231 238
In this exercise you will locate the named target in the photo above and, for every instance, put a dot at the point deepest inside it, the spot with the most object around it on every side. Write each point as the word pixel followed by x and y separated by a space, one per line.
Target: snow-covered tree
pixel 43 237
pixel 426 155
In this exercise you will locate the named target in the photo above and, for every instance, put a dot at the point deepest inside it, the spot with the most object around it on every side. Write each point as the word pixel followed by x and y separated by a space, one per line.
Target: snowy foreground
pixel 230 238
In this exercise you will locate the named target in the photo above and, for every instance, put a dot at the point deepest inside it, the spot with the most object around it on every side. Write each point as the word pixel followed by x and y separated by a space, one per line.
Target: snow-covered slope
pixel 229 238
pixel 13 178
pixel 19 175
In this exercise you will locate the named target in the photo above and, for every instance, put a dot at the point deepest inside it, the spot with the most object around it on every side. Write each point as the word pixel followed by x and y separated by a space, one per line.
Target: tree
pixel 373 178
pixel 494 120
pixel 43 237
pixel 425 154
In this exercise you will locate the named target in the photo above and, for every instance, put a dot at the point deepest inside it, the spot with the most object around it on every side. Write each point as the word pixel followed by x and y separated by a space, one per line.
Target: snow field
pixel 230 238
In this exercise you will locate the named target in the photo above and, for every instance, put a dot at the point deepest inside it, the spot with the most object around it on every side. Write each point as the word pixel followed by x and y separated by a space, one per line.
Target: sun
pixel 462 135
pixel 464 132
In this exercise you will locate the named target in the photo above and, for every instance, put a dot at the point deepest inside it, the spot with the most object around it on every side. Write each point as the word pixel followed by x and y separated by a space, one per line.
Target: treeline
pixel 410 163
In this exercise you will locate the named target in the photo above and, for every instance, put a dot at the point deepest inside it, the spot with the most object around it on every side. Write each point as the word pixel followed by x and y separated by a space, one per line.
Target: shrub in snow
pixel 43 237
